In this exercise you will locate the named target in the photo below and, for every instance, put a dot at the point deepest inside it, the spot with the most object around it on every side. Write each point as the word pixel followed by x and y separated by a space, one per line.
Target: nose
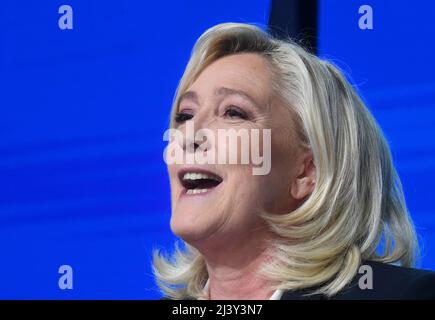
pixel 197 135
pixel 190 145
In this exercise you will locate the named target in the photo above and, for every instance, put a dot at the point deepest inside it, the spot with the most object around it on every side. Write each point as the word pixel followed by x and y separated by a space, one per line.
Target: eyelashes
pixel 232 112
pixel 183 117
pixel 235 112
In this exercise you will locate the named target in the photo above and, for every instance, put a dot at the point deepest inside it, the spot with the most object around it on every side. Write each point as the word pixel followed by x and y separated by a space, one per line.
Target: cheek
pixel 173 183
pixel 247 192
pixel 277 197
pixel 172 175
pixel 238 142
pixel 284 153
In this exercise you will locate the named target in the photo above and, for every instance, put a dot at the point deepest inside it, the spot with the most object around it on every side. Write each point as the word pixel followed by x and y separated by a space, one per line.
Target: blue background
pixel 83 111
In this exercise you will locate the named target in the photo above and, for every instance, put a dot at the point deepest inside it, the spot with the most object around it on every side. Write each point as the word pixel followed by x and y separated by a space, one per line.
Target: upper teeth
pixel 196 176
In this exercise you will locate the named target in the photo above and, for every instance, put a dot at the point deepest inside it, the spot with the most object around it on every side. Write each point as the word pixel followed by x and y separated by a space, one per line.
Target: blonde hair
pixel 357 203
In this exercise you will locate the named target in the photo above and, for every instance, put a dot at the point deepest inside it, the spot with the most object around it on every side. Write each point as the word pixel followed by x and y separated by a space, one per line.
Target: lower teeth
pixel 195 191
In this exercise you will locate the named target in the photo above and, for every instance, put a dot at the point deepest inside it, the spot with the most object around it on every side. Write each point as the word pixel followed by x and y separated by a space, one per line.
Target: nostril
pixel 203 144
pixel 192 146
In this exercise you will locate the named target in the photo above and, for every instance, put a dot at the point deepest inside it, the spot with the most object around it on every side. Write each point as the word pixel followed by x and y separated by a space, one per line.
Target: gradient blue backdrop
pixel 83 111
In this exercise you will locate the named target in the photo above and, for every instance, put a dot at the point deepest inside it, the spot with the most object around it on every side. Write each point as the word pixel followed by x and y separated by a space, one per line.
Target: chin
pixel 187 231
pixel 195 234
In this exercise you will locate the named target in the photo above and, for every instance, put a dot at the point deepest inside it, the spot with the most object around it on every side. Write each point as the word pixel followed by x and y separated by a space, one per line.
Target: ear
pixel 305 181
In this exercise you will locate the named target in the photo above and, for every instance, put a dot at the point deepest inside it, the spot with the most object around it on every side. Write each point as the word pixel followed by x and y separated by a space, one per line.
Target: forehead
pixel 245 71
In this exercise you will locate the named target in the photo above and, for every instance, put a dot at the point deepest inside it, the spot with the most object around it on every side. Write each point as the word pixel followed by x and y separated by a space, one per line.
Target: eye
pixel 235 112
pixel 183 117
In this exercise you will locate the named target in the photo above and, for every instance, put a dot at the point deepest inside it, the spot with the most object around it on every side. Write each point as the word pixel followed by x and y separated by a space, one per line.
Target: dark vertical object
pixel 296 19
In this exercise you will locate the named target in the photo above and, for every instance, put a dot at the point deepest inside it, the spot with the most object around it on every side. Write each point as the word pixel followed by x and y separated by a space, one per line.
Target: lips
pixel 197 181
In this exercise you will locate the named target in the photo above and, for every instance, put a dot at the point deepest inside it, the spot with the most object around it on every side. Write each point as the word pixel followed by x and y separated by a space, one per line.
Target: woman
pixel 311 227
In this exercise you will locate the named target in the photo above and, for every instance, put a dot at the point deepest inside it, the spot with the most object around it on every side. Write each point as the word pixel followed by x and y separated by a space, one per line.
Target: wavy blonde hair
pixel 357 203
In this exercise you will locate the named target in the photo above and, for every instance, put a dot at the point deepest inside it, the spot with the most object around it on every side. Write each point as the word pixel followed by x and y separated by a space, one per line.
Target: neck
pixel 233 267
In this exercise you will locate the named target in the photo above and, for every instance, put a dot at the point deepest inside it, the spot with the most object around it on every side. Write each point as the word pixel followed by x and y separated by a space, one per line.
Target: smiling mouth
pixel 197 182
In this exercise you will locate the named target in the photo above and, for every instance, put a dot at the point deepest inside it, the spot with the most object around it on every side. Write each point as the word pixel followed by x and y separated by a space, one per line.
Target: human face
pixel 227 211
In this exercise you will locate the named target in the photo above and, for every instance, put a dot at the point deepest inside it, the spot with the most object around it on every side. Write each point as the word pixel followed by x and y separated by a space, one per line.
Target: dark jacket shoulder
pixel 377 281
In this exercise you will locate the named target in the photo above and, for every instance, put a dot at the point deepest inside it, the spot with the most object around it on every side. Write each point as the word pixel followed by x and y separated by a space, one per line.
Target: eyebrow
pixel 189 95
pixel 221 91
